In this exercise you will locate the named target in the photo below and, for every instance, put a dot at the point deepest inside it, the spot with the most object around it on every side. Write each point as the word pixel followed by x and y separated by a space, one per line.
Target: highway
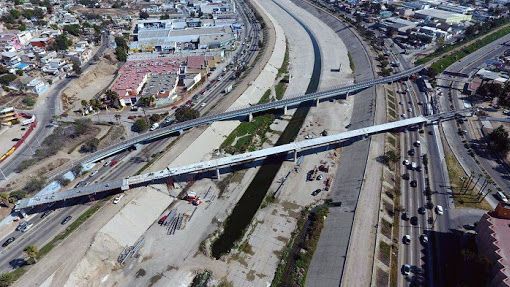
pixel 497 170
pixel 46 228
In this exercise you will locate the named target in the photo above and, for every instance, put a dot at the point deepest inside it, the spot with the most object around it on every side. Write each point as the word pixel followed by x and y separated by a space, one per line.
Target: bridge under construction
pixel 289 151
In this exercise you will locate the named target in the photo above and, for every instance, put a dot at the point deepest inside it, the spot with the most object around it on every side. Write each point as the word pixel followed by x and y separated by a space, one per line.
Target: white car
pixel 417 143
pixel 406 239
pixel 118 198
pixel 502 196
pixel 409 109
pixel 424 239
pixel 404 116
pixel 439 210
pixel 406 162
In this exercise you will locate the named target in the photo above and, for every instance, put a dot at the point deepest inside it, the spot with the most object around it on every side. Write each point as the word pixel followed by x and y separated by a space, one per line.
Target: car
pixel 439 209
pixel 46 213
pixel 413 183
pixel 317 191
pixel 406 239
pixel 409 109
pixel 411 152
pixel 502 196
pixel 15 139
pixel 406 269
pixel 403 116
pixel 106 163
pixel 406 162
pixel 417 143
pixel 118 198
pixel 414 220
pixel 24 226
pixel 404 216
pixel 81 183
pixel 9 241
pixel 424 239
pixel 405 176
pixel 66 220
pixel 320 177
pixel 93 173
pixel 421 210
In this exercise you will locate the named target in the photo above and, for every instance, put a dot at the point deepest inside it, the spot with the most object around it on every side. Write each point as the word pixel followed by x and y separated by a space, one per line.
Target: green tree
pixel 121 54
pixel 140 126
pixel 61 43
pixel 7 79
pixel 185 114
pixel 499 140
pixel 6 279
pixel 76 67
pixel 112 98
pixel 73 29
pixel 32 253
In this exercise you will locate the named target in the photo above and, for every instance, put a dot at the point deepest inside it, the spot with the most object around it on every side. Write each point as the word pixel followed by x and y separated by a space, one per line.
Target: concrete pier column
pixel 317 102
pixel 250 117
pixel 180 132
pixel 285 110
pixel 218 175
pixel 295 155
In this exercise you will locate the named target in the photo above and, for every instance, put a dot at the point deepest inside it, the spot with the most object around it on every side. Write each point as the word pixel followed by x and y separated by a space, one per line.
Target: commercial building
pixel 8 116
pixel 442 16
pixel 493 241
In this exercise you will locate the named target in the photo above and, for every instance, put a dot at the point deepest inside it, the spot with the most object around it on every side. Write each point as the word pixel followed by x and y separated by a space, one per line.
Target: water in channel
pixel 250 202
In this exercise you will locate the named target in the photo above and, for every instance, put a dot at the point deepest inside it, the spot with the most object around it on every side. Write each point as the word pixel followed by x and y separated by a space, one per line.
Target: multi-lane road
pixel 45 229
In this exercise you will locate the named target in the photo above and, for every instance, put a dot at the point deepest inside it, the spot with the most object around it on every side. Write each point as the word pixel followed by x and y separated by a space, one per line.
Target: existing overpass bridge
pixel 245 112
pixel 216 164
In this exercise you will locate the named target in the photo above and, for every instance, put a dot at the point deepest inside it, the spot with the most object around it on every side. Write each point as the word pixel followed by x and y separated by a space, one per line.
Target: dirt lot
pixel 92 81
pixel 68 152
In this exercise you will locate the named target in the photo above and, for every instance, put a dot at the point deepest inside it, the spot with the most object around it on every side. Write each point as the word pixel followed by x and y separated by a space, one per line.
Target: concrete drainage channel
pixel 249 203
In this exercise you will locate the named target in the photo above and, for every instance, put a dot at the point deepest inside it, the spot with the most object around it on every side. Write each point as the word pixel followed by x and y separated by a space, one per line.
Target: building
pixel 399 24
pixel 37 86
pixel 493 241
pixel 442 16
pixel 8 116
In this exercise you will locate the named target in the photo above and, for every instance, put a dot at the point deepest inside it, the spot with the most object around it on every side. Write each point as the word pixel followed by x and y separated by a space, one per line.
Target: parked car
pixel 406 239
pixel 421 210
pixel 439 210
pixel 317 191
pixel 66 220
pixel 424 239
pixel 413 183
pixel 406 269
pixel 8 241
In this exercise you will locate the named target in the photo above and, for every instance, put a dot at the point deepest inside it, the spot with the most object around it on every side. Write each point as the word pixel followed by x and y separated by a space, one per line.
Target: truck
pixel 414 165
pixel 228 89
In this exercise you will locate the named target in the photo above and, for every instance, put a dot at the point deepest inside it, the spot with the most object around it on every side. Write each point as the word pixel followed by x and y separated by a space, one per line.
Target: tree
pixel 185 114
pixel 144 15
pixel 61 43
pixel 90 146
pixel 73 29
pixel 7 79
pixel 121 54
pixel 76 67
pixel 6 279
pixel 112 98
pixel 499 140
pixel 140 126
pixel 164 17
pixel 32 253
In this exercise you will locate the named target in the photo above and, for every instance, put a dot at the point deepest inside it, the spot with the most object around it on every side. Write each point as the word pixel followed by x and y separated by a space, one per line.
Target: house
pixel 8 116
pixel 40 42
pixel 10 59
pixel 37 86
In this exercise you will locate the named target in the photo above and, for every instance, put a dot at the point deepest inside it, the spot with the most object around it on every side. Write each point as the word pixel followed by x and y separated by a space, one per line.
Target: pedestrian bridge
pixel 292 149
pixel 245 112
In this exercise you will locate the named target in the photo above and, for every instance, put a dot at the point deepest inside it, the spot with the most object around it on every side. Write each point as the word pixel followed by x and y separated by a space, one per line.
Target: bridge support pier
pixel 295 155
pixel 317 102
pixel 284 110
pixel 180 132
pixel 250 117
pixel 218 175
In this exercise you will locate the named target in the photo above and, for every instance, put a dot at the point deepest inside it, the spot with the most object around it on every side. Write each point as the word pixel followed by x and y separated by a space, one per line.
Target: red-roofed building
pixel 493 241
pixel 133 75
